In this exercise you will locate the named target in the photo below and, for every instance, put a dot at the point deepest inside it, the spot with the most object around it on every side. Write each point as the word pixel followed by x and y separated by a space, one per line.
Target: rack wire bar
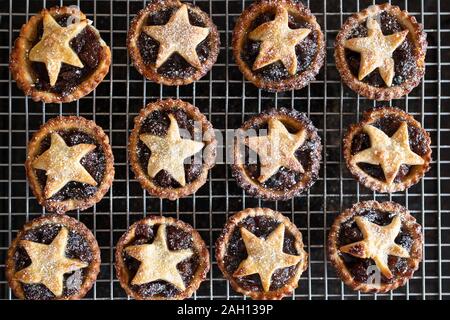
pixel 227 99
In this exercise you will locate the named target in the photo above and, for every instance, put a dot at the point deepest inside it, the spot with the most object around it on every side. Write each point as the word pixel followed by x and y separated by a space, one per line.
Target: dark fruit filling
pixel 177 239
pixel 285 179
pixel 157 123
pixel 89 50
pixel 175 66
pixel 260 226
pixel 94 162
pixel 77 248
pixel 404 56
pixel 306 50
pixel 350 233
pixel 389 125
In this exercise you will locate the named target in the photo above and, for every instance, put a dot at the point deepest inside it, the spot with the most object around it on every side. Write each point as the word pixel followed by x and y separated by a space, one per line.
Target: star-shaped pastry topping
pixel 54 47
pixel 376 51
pixel 265 256
pixel 168 153
pixel 157 261
pixel 378 243
pixel 277 149
pixel 278 42
pixel 62 164
pixel 48 263
pixel 388 152
pixel 178 35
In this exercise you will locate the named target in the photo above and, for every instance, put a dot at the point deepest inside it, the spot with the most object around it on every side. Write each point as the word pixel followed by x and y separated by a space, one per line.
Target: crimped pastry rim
pixel 253 187
pixel 150 72
pixel 209 150
pixel 221 250
pixel 300 80
pixel 416 33
pixel 23 73
pixel 407 220
pixel 71 224
pixel 365 179
pixel 65 123
pixel 198 244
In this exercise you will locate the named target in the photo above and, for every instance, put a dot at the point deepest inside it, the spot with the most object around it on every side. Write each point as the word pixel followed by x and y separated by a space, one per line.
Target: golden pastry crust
pixel 367 180
pixel 416 34
pixel 22 70
pixel 293 119
pixel 67 123
pixel 222 248
pixel 72 225
pixel 409 225
pixel 208 157
pixel 150 71
pixel 240 34
pixel 198 246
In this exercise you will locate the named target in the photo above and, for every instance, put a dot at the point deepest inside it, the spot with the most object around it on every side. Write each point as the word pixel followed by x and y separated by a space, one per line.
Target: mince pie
pixel 173 43
pixel 161 258
pixel 261 253
pixel 53 257
pixel 375 247
pixel 277 154
pixel 278 45
pixel 59 56
pixel 172 147
pixel 380 52
pixel 69 164
pixel 388 150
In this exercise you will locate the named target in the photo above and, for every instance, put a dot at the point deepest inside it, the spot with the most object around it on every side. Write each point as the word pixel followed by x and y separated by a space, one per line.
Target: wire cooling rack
pixel 227 100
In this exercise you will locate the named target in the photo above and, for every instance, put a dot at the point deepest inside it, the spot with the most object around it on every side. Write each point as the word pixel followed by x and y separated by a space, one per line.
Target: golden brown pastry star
pixel 277 149
pixel 168 153
pixel 376 51
pixel 48 263
pixel 178 35
pixel 278 42
pixel 388 152
pixel 378 243
pixel 62 164
pixel 264 256
pixel 157 261
pixel 54 47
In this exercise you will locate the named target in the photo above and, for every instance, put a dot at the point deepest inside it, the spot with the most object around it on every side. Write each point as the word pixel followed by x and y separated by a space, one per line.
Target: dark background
pixel 227 100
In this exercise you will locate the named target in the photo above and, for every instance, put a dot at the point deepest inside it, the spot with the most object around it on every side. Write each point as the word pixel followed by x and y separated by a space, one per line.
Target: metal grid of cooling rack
pixel 227 100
